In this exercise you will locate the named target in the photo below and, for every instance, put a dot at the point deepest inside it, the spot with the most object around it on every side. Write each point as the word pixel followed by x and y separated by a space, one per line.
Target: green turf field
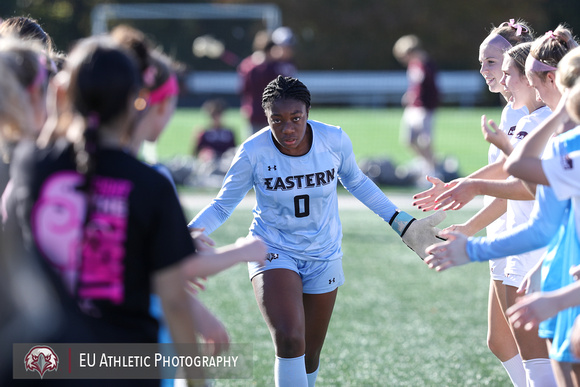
pixel 374 132
pixel 396 323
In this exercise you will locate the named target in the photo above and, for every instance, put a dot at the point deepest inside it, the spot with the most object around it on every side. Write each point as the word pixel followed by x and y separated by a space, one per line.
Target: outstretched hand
pixel 203 243
pixel 425 200
pixel 442 256
pixel 456 197
pixel 252 249
pixel 422 233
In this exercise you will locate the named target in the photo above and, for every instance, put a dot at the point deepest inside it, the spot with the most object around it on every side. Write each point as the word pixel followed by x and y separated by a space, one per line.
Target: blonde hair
pixel 573 103
pixel 569 68
pixel 519 54
pixel 405 45
pixel 552 47
pixel 509 32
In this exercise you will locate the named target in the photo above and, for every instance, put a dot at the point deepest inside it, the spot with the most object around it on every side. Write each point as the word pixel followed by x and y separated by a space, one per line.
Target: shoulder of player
pixel 325 129
pixel 571 138
pixel 535 117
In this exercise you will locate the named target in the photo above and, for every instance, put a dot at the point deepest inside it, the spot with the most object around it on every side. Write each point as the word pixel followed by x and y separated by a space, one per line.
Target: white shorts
pixel 497 269
pixel 519 265
pixel 318 277
pixel 514 280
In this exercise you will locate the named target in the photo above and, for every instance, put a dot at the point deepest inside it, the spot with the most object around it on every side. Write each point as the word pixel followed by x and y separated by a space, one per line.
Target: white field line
pixel 195 202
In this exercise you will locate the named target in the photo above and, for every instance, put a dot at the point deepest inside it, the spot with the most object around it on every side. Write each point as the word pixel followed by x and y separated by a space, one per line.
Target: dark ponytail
pixel 103 78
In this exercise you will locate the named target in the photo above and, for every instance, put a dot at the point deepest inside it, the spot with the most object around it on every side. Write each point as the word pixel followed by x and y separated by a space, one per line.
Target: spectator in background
pixel 420 100
pixel 261 39
pixel 267 62
pixel 283 51
pixel 216 139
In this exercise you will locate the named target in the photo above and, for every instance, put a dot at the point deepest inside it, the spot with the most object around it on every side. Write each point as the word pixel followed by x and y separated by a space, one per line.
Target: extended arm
pixel 465 191
pixel 211 261
pixel 416 234
pixel 537 307
pixel 237 182
pixel 545 220
pixel 429 199
pixel 482 219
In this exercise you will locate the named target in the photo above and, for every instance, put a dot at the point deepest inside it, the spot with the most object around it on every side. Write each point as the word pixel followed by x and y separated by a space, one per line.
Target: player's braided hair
pixel 285 88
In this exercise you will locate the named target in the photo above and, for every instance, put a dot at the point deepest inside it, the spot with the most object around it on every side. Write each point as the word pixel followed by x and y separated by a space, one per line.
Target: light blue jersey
pixel 296 209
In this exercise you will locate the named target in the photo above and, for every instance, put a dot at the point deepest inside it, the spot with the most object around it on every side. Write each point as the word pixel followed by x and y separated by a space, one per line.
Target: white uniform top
pixel 296 207
pixel 518 211
pixel 563 170
pixel 508 122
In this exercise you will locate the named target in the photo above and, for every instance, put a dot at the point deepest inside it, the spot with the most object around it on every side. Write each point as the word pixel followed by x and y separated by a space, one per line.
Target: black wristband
pixel 397 212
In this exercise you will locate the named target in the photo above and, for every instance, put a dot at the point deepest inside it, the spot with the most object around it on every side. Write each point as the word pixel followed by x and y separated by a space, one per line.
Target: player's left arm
pixel 416 234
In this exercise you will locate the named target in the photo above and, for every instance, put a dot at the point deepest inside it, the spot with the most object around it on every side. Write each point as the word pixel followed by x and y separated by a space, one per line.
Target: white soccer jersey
pixel 563 170
pixel 518 211
pixel 508 122
pixel 296 207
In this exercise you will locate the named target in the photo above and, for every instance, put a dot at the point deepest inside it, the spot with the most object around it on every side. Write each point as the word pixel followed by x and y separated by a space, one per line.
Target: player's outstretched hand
pixel 252 249
pixel 202 241
pixel 425 200
pixel 417 234
pixel 495 136
pixel 460 228
pixel 442 256
pixel 458 196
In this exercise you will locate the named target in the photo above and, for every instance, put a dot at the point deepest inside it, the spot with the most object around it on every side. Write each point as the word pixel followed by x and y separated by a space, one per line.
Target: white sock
pixel 290 372
pixel 515 370
pixel 539 373
pixel 312 377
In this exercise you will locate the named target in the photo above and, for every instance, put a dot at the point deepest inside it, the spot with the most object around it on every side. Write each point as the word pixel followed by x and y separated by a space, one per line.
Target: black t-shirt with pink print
pixel 135 227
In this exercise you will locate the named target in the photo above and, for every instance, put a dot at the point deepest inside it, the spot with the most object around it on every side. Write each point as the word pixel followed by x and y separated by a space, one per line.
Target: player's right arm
pixel 464 187
pixel 237 182
pixel 545 220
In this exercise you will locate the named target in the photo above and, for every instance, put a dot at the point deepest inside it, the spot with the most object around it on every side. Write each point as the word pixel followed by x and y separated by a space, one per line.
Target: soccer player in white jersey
pixel 294 166
pixel 500 339
pixel 545 54
pixel 531 348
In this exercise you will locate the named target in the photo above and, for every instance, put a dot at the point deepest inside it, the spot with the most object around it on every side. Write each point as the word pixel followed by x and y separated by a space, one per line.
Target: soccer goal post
pixel 101 14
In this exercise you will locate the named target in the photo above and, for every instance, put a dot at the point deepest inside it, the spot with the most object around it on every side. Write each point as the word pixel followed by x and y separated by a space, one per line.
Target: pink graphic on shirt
pixel 58 222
